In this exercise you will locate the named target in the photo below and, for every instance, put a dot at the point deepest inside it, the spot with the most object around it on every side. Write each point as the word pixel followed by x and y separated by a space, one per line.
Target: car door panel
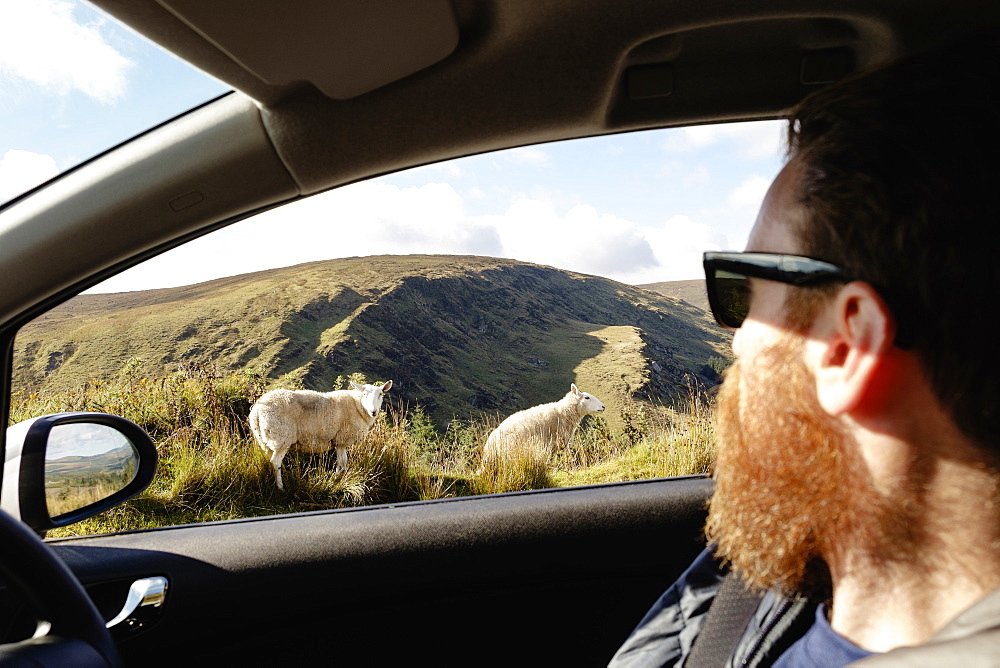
pixel 528 578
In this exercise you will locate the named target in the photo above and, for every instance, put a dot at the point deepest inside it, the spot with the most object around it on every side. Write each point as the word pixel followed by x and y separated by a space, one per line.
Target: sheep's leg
pixel 341 457
pixel 277 454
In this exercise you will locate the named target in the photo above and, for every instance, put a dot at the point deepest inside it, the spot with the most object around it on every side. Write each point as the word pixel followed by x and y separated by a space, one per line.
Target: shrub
pixel 718 364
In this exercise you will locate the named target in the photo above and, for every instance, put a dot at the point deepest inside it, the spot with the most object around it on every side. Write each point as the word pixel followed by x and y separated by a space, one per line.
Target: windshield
pixel 74 83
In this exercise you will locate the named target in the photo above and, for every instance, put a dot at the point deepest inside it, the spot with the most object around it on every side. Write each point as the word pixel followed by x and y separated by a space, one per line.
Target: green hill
pixel 692 291
pixel 460 335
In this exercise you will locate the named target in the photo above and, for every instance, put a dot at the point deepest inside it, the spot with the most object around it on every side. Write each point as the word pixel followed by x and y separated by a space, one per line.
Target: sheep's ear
pixel 388 384
pixel 574 389
pixel 359 388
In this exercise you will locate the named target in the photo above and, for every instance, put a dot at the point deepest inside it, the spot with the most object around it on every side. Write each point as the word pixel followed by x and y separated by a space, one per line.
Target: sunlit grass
pixel 211 469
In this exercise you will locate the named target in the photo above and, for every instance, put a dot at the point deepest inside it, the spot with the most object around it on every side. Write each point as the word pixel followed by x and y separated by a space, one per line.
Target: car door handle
pixel 145 592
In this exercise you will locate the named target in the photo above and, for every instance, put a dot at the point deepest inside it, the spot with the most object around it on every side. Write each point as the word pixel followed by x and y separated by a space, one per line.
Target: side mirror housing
pixel 66 467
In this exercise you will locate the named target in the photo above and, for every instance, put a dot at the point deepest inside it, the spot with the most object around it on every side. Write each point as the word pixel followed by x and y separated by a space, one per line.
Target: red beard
pixel 792 491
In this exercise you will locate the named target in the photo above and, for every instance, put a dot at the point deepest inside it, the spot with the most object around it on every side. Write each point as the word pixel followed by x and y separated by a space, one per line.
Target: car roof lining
pixel 718 72
pixel 519 73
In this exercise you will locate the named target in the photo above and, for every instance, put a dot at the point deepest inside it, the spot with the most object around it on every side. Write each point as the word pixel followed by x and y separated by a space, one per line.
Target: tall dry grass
pixel 211 469
pixel 69 497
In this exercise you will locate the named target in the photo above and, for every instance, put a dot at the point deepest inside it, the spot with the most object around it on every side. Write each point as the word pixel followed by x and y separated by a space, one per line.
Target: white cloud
pixel 367 218
pixel 376 217
pixel 42 42
pixel 750 193
pixel 22 170
pixel 678 247
pixel 527 156
pixel 753 140
pixel 581 239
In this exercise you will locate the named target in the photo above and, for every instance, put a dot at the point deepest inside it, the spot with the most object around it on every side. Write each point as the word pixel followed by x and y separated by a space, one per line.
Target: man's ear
pixel 850 338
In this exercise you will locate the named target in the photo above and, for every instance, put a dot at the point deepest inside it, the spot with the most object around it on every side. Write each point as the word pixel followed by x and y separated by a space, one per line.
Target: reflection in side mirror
pixel 65 467
pixel 84 464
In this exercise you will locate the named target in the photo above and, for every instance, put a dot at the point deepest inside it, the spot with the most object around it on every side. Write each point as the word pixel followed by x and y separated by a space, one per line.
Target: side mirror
pixel 66 467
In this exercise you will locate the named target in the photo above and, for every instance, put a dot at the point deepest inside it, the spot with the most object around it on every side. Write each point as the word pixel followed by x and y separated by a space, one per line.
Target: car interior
pixel 327 94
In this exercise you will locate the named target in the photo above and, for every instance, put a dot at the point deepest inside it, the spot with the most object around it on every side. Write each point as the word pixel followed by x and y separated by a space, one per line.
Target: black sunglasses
pixel 727 279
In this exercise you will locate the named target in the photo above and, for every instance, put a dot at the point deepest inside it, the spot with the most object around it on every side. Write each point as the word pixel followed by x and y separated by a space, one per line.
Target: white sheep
pixel 316 421
pixel 535 432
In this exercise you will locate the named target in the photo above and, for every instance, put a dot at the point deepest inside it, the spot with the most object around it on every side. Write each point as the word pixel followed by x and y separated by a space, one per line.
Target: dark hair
pixel 899 169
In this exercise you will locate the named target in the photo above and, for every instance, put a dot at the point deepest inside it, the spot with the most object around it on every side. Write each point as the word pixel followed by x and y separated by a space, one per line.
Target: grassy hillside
pixel 211 469
pixel 461 336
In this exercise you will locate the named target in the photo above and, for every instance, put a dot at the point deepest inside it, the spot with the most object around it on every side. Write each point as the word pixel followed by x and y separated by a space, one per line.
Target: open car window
pixel 479 287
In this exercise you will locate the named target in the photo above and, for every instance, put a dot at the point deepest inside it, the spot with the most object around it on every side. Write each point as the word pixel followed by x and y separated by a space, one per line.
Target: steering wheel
pixel 77 636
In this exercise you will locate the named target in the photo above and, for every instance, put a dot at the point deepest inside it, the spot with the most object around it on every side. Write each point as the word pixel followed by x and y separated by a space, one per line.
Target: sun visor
pixel 345 48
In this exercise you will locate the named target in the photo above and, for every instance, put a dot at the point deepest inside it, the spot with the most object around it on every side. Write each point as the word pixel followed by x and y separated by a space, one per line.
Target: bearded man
pixel 856 512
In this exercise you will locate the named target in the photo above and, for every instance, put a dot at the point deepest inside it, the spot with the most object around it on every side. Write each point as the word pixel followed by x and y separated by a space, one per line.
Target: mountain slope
pixel 691 291
pixel 458 334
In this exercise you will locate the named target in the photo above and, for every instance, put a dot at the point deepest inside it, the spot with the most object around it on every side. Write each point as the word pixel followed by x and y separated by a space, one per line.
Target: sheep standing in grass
pixel 316 421
pixel 535 432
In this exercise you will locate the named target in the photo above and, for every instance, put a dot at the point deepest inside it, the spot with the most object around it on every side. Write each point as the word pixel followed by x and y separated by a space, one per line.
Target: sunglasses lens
pixel 733 298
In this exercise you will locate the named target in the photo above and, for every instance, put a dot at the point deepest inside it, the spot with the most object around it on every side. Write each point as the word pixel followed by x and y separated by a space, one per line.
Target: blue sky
pixel 83 440
pixel 638 207
pixel 74 83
